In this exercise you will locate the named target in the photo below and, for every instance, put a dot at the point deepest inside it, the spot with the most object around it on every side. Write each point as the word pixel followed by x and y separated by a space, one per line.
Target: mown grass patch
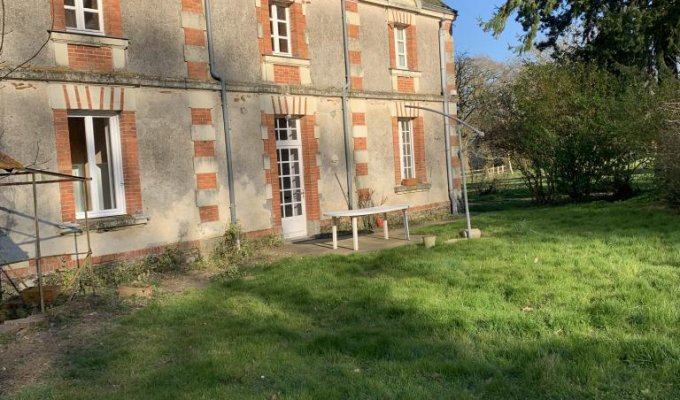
pixel 566 302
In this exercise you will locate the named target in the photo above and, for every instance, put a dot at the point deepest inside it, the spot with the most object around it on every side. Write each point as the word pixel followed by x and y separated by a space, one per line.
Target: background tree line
pixel 602 105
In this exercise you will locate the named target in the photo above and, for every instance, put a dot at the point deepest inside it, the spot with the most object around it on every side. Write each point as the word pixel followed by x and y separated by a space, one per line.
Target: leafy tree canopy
pixel 640 34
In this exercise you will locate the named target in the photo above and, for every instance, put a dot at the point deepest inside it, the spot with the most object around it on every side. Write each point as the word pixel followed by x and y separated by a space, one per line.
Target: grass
pixel 556 303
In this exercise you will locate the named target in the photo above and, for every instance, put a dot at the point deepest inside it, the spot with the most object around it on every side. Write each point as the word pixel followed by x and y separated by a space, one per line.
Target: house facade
pixel 122 91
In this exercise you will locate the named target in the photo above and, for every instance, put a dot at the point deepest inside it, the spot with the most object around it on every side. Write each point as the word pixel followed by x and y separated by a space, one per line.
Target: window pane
pixel 92 21
pixel 93 4
pixel 281 13
pixel 79 167
pixel 104 166
pixel 71 3
pixel 71 19
pixel 283 46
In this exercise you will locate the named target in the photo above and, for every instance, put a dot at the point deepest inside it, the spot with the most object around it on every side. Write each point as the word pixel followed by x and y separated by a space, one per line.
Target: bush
pixel 576 130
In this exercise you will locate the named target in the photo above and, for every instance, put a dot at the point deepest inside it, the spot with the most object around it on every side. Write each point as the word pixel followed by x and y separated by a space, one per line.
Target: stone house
pixel 122 91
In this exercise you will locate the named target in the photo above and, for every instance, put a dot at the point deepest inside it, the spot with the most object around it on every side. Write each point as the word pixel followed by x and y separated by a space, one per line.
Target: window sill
pixel 421 187
pixel 405 72
pixel 89 39
pixel 286 60
pixel 105 224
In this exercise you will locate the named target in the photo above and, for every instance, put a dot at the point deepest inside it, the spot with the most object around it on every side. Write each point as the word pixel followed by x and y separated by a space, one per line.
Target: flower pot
pixel 380 222
pixel 429 241
pixel 127 291
pixel 409 182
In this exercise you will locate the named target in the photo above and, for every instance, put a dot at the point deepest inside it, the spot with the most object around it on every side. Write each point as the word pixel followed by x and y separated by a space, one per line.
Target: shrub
pixel 668 162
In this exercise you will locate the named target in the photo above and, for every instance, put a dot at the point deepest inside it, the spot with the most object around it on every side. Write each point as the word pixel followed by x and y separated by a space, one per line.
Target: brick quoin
pixel 201 116
pixel 352 6
pixel 353 31
pixel 357 83
pixel 59 20
pixel 206 181
pixel 391 44
pixel 287 74
pixel 90 58
pixel 209 213
pixel 360 144
pixel 406 84
pixel 204 148
pixel 362 169
pixel 197 70
pixel 355 57
pixel 195 37
pixel 129 148
pixel 194 6
pixel 358 119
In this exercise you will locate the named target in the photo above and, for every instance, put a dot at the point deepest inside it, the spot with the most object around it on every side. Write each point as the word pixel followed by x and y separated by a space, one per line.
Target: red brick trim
pixel 197 70
pixel 298 26
pixel 201 116
pixel 287 74
pixel 194 6
pixel 129 148
pixel 90 58
pixel 209 214
pixel 206 181
pixel 204 148
pixel 59 16
pixel 195 37
pixel 354 31
pixel 66 194
pixel 310 148
pixel 393 50
pixel 406 84
pixel 419 155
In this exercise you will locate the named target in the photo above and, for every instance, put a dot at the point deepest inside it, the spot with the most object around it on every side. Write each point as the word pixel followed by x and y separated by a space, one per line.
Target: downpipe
pixel 345 109
pixel 225 120
pixel 453 203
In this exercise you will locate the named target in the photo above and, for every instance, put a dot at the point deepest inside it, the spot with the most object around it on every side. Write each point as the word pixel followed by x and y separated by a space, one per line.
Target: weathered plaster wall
pixel 324 28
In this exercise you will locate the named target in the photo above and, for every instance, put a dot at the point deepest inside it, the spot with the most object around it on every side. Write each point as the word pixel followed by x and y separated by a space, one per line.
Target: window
pixel 84 15
pixel 95 153
pixel 400 47
pixel 279 20
pixel 406 149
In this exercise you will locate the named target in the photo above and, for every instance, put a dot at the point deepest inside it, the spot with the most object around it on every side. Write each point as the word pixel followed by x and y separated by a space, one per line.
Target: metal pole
pixel 38 261
pixel 345 107
pixel 447 124
pixel 464 179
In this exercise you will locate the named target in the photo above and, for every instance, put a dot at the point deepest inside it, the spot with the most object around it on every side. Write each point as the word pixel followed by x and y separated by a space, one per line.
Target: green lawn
pixel 555 303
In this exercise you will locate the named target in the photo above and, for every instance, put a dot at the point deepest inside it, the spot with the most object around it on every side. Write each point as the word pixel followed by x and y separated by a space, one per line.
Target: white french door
pixel 291 178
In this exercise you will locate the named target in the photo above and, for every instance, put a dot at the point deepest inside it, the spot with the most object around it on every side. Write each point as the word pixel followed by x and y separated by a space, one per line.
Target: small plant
pixel 369 222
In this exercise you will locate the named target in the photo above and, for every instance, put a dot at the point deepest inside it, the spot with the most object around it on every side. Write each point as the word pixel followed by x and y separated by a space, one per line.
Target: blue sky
pixel 472 39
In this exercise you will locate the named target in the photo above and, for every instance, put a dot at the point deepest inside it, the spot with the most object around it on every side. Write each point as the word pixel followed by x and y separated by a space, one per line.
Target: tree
pixel 616 34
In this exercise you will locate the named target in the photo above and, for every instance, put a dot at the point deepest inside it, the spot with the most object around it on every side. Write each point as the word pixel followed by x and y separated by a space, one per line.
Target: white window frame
pixel 406 129
pixel 116 159
pixel 276 35
pixel 397 40
pixel 80 9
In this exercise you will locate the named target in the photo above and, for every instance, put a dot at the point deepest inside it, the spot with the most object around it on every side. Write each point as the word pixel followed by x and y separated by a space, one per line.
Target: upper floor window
pixel 279 19
pixel 84 15
pixel 400 47
pixel 406 150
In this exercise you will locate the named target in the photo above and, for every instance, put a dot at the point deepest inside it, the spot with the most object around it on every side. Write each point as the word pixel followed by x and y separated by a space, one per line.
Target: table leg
pixel 385 228
pixel 355 233
pixel 408 234
pixel 335 233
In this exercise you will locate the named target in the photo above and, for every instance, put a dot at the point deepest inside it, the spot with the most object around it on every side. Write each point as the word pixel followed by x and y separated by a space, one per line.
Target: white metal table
pixel 362 212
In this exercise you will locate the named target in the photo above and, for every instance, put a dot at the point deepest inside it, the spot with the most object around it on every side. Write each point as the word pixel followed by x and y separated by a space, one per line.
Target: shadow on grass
pixel 413 323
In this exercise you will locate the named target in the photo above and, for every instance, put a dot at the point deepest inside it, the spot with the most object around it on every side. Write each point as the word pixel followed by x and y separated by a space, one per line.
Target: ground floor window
pixel 406 153
pixel 96 153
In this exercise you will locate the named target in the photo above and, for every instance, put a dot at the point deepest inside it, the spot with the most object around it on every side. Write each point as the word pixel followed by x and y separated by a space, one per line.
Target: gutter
pixel 225 120
pixel 447 124
pixel 345 108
